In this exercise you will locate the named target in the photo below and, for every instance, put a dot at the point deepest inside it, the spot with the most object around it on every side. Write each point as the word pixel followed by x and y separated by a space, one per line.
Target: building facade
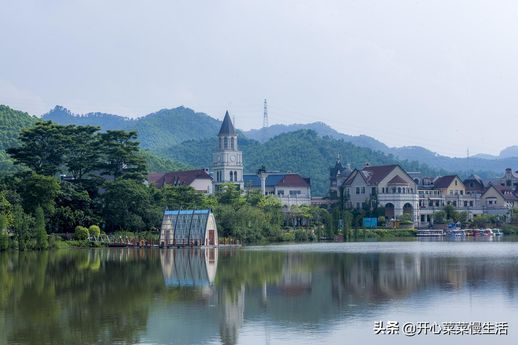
pixel 227 161
pixel 290 188
pixel 387 186
pixel 400 193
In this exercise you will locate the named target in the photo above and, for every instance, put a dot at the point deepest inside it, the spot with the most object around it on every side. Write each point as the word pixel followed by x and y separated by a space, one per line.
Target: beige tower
pixel 227 161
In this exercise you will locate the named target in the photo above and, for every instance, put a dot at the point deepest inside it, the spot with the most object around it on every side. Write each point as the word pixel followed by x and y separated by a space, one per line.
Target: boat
pixel 488 232
pixel 430 233
pixel 455 232
pixel 497 232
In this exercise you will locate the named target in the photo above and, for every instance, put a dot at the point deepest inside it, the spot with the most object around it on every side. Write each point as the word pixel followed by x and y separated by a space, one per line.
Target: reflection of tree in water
pixel 77 297
pixel 117 296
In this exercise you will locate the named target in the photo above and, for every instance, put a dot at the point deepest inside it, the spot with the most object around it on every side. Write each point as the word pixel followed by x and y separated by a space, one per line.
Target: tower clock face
pixel 232 158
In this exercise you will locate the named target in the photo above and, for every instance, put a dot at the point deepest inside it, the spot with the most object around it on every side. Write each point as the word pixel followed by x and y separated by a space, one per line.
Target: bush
pixel 94 230
pixel 301 235
pixel 81 233
pixel 288 236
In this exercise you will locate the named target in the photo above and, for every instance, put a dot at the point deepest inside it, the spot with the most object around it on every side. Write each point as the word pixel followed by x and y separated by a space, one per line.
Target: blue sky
pixel 439 74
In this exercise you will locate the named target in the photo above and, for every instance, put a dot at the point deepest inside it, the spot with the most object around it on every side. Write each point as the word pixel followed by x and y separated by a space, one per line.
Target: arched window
pixel 231 176
pixel 225 140
pixel 232 143
pixel 235 175
pixel 399 190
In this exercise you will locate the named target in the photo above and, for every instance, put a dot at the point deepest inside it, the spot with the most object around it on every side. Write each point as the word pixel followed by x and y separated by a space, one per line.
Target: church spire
pixel 227 128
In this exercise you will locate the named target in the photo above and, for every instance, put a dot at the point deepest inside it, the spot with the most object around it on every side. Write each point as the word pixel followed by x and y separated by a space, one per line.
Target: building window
pixel 373 191
pixel 465 204
pixel 294 192
pixel 357 190
pixel 235 175
pixel 471 203
pixel 394 190
pixel 399 190
pixel 232 143
pixel 231 176
pixel 280 192
pixel 363 190
pixel 225 141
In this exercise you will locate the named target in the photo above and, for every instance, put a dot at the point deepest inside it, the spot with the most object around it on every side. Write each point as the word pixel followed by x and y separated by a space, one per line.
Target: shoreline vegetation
pixel 72 182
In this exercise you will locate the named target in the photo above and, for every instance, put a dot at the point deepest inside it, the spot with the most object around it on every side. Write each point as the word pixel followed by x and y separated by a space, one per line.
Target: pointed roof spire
pixel 227 128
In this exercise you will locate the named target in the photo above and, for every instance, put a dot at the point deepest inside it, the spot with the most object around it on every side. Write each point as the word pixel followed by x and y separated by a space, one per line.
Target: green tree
pixel 120 155
pixel 38 190
pixel 439 217
pixel 82 155
pixel 42 241
pixel 42 148
pixel 229 194
pixel 94 230
pixel 183 197
pixel 81 233
pixel 127 206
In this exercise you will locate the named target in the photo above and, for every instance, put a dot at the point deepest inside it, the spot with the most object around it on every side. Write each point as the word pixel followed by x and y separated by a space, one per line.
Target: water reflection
pixel 185 296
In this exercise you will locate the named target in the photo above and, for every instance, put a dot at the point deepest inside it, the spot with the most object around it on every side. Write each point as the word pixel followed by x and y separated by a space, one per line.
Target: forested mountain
pixel 302 151
pixel 13 121
pixel 156 131
pixel 266 133
pixel 482 163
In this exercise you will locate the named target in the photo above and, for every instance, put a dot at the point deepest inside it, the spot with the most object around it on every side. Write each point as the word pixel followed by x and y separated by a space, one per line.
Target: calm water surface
pixel 283 294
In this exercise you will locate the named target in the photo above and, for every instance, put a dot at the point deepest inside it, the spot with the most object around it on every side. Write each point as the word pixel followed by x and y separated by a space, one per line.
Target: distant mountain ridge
pixel 477 163
pixel 156 131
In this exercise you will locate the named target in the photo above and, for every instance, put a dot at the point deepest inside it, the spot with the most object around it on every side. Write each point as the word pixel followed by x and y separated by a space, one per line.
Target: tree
pixel 183 197
pixel 439 217
pixel 120 156
pixel 38 190
pixel 229 194
pixel 127 206
pixel 42 148
pixel 82 155
pixel 42 241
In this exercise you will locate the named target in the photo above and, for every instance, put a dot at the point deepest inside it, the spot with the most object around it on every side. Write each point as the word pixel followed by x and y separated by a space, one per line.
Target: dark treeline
pixel 75 177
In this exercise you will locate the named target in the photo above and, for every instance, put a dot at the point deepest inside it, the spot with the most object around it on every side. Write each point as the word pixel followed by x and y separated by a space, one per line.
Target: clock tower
pixel 227 161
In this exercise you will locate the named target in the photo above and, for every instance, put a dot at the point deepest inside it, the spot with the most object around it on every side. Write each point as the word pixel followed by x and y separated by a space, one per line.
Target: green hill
pixel 11 123
pixel 156 131
pixel 302 151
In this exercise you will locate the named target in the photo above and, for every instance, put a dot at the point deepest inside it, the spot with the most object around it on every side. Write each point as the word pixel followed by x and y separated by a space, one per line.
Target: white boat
pixel 488 232
pixel 430 233
pixel 497 232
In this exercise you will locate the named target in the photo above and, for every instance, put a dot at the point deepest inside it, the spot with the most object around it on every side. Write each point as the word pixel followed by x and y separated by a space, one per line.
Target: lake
pixel 457 292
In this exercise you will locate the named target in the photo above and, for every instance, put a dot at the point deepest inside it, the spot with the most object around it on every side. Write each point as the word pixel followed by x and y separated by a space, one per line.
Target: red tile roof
pixel 293 180
pixel 444 181
pixel 177 178
pixel 374 174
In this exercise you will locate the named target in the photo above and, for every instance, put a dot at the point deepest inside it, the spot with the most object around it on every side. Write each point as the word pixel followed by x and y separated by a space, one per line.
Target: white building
pixel 227 161
pixel 291 189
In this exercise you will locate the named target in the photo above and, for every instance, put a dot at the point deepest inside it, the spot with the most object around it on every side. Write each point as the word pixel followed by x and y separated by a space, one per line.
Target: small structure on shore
pixel 188 228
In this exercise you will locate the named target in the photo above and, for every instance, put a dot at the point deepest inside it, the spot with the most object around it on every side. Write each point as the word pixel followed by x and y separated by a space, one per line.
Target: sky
pixel 442 74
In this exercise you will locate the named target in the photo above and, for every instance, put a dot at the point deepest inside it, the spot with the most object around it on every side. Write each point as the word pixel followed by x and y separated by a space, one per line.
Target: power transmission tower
pixel 265 114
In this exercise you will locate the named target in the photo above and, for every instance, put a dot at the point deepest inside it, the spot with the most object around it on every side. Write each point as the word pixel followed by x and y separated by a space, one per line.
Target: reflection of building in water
pixel 189 266
pixel 232 312
pixel 295 278
pixel 188 228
